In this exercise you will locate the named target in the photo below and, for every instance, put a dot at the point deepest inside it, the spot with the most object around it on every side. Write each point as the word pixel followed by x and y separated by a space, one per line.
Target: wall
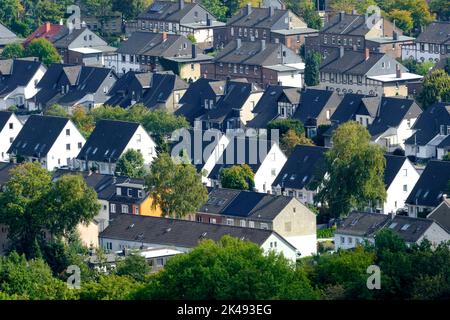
pixel 435 234
pixel 339 244
pixel 264 177
pixel 190 71
pixel 80 41
pixel 146 145
pixel 276 244
pixel 146 208
pixel 6 134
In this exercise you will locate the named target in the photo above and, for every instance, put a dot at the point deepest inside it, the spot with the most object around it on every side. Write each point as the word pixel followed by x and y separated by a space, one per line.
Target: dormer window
pixel 130 192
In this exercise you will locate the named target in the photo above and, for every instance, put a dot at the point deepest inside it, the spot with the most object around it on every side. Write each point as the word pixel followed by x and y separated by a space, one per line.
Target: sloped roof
pixel 168 11
pixel 4 117
pixel 15 73
pixel 441 214
pixel 408 228
pixel 393 166
pixel 258 18
pixel 346 110
pixel 352 62
pixel 437 32
pixel 7 36
pixel 312 102
pixel 45 31
pixel 362 224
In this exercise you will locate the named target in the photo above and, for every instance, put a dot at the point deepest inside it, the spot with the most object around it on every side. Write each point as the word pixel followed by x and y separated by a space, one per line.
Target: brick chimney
pixel 366 54
pixel 398 71
pixel 164 36
pixel 181 3
pixel 48 26
pixel 194 51
pixel 208 20
pixel 249 8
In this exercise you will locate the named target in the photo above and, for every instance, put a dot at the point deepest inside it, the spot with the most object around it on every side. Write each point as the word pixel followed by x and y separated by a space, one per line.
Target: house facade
pixel 10 127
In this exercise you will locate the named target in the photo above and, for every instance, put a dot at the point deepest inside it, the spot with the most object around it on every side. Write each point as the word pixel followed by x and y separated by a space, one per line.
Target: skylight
pixel 393 225
pixel 405 227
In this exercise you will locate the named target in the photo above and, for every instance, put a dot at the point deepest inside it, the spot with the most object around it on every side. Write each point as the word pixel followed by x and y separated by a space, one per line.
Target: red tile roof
pixel 47 31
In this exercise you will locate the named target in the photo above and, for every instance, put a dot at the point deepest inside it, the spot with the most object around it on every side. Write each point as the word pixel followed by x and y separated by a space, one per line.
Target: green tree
pixel 238 177
pixel 291 139
pixel 56 110
pixel 284 125
pixel 134 266
pixel 217 8
pixel 228 269
pixel 109 287
pixel 191 38
pixel 312 68
pixel 436 87
pixel 83 121
pixel 441 8
pixel 13 51
pixel 176 188
pixel 49 11
pixel 32 204
pixel 131 164
pixel 355 169
pixel 44 50
pixel 403 19
pixel 129 9
pixel 10 10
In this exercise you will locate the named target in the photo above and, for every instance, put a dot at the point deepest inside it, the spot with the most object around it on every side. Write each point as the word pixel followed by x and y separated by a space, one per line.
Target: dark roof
pixel 352 62
pixel 437 32
pixel 393 166
pixel 169 11
pixel 408 228
pixel 257 18
pixel 218 200
pixel 7 36
pixel 303 166
pixel 312 102
pixel 5 175
pixel 38 135
pixel 346 110
pixel 4 117
pixel 442 215
pixel 15 73
pixel 429 122
pixel 362 224
pixel 108 141
pixel 348 24
pixel 432 185
pixel 173 232
pixel 243 204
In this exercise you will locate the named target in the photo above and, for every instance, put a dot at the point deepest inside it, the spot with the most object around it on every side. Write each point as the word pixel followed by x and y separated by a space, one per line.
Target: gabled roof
pixel 7 36
pixel 65 37
pixel 257 18
pixel 303 166
pixel 161 89
pixel 352 62
pixel 46 31
pixel 218 200
pixel 408 228
pixel 4 117
pixel 346 110
pixel 348 24
pixel 437 32
pixel 393 166
pixel 15 73
pixel 432 185
pixel 429 122
pixel 5 175
pixel 108 141
pixel 312 103
pixel 38 135
pixel 169 11
pixel 174 232
pixel 441 214
pixel 362 224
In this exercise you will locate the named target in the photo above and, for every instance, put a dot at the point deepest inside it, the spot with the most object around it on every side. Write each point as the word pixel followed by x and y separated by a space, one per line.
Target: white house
pixel 18 80
pixel 10 127
pixel 128 231
pixel 111 139
pixel 52 141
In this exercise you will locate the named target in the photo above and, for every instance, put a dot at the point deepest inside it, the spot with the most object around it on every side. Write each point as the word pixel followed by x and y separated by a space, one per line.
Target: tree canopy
pixel 238 177
pixel 436 87
pixel 44 50
pixel 312 68
pixel 131 164
pixel 13 51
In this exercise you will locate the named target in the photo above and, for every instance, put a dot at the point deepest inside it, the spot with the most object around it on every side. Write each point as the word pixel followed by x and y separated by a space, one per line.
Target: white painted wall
pixel 291 79
pixel 413 52
pixel 8 135
pixel 276 244
pixel 306 245
pixel 269 169
pixel 343 241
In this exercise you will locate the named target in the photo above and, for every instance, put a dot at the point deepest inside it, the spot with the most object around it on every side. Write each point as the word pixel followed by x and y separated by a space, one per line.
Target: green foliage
pixel 13 51
pixel 56 110
pixel 441 8
pixel 284 125
pixel 355 170
pixel 217 8
pixel 228 269
pixel 436 87
pixel 291 139
pixel 131 164
pixel 403 19
pixel 326 233
pixel 111 287
pixel 238 177
pixel 134 266
pixel 306 9
pixel 32 204
pixel 422 68
pixel 312 68
pixel 130 8
pixel 191 38
pixel 349 5
pixel 44 50
pixel 176 188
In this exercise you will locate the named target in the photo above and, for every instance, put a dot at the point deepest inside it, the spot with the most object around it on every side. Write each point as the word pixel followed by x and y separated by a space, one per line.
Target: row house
pixel 72 85
pixel 268 23
pixel 259 62
pixel 433 43
pixel 109 141
pixel 10 127
pixel 178 17
pixel 284 215
pixel 18 81
pixel 161 90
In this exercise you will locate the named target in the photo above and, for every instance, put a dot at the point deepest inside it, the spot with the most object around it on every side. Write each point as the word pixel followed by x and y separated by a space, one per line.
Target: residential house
pixel 110 24
pixel 46 31
pixel 73 85
pixel 10 127
pixel 111 139
pixel 18 80
pixel 128 231
pixel 52 141
pixel 275 25
pixel 430 133
pixel 233 109
pixel 201 96
pixel 430 189
pixel 389 120
pixel 7 36
pixel 179 17
pixel 259 62
pixel 285 215
pixel 441 214
pixel 432 44
pixel 264 157
pixel 162 90
pixel 359 227
pixel 353 32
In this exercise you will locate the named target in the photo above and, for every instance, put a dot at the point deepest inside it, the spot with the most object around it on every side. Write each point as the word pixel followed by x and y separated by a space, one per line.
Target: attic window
pixel 405 227
pixel 393 225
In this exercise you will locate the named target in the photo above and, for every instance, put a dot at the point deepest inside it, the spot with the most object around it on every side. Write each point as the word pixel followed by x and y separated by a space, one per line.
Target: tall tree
pixel 291 139
pixel 355 169
pixel 56 110
pixel 403 19
pixel 441 8
pixel 131 164
pixel 44 50
pixel 436 87
pixel 176 188
pixel 129 9
pixel 312 68
pixel 217 8
pixel 238 177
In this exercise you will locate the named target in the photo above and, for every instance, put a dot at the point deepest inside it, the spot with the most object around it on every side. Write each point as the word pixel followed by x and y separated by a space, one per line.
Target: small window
pixel 140 194
pixel 118 191
pixel 68 146
pixel 67 132
pixel 124 208
pixel 130 192
pixel 11 125
pixel 243 223
pixel 113 208
pixel 230 222
pixel 342 239
pixel 405 172
pixel 405 187
pixel 251 224
pixel 264 226
pixel 80 145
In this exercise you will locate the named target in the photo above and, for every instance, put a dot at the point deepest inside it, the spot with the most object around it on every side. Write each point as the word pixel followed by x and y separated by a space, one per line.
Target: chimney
pixel 47 26
pixel 394 35
pixel 366 54
pixel 341 15
pixel 208 20
pixel 271 11
pixel 164 36
pixel 181 2
pixel 341 51
pixel 263 44
pixel 194 51
pixel 249 8
pixel 238 43
pixel 398 72
pixel 354 12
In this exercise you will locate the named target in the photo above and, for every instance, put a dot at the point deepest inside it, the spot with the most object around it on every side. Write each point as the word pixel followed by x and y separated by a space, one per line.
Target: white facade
pixel 269 169
pixel 7 135
pixel 345 242
pixel 422 52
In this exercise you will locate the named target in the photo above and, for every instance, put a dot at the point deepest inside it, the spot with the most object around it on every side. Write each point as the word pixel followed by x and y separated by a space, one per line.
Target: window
pixel 288 226
pixel 264 226
pixel 68 146
pixel 11 125
pixel 212 220
pixel 11 139
pixel 251 224
pixel 350 240
pixel 405 187
pixel 159 262
pixel 140 194
pixel 342 240
pixel 80 145
pixel 124 208
pixel 67 132
pixel 230 222
pixel 243 223
pixel 113 208
pixel 405 172
pixel 273 172
pixel 130 192
pixel 118 191
pixel 138 138
pixel 136 210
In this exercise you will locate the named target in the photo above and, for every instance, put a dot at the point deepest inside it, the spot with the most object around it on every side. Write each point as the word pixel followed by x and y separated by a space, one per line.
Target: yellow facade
pixel 146 208
pixel 190 71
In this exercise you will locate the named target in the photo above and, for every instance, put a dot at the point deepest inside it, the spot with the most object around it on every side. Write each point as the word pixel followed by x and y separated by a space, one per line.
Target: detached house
pixel 109 140
pixel 431 132
pixel 72 85
pixel 259 62
pixel 7 36
pixel 162 90
pixel 139 232
pixel 441 214
pixel 10 127
pixel 52 141
pixel 430 189
pixel 18 80
pixel 285 215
